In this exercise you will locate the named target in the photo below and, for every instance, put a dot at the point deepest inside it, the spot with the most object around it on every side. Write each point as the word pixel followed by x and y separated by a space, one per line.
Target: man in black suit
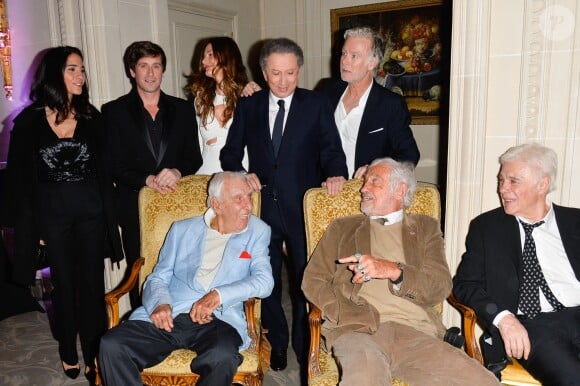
pixel 152 140
pixel 373 122
pixel 292 145
pixel 521 271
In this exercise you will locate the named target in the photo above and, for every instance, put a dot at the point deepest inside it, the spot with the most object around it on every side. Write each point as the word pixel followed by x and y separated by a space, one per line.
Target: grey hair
pixel 216 184
pixel 542 159
pixel 368 33
pixel 280 46
pixel 401 173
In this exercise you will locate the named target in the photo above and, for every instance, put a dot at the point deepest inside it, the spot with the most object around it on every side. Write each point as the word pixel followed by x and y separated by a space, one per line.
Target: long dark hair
pixel 48 87
pixel 203 88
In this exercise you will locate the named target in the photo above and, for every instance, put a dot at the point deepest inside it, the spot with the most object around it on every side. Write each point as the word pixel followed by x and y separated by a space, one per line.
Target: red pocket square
pixel 245 255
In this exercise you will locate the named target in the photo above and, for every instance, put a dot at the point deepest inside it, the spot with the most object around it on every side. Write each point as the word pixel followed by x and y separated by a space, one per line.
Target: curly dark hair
pixel 48 87
pixel 203 88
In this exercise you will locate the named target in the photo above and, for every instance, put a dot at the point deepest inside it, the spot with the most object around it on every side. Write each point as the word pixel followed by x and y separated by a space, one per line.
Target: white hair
pixel 401 173
pixel 542 159
pixel 215 186
pixel 376 41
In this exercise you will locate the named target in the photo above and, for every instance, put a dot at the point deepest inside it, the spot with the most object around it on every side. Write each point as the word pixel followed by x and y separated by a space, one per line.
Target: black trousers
pixel 130 235
pixel 273 317
pixel 134 345
pixel 555 353
pixel 73 227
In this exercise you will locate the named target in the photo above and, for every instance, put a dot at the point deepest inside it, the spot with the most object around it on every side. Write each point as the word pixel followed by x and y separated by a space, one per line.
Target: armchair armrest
pixel 253 326
pixel 112 298
pixel 469 321
pixel 314 322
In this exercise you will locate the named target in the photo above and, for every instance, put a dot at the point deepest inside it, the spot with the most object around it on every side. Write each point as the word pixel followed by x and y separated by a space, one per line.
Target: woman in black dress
pixel 61 194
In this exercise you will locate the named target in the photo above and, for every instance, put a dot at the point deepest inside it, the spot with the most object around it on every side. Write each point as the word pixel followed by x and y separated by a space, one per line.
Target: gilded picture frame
pixel 413 63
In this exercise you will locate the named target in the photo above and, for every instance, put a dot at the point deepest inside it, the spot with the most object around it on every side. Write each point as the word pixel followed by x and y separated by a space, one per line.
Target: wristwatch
pixel 401 266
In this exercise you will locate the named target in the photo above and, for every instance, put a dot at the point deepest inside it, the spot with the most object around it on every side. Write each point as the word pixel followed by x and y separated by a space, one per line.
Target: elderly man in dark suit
pixel 292 145
pixel 521 271
pixel 373 122
pixel 152 140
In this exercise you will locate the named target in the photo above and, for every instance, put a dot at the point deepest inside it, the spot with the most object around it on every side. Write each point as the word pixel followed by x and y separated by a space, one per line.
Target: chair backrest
pixel 320 209
pixel 158 211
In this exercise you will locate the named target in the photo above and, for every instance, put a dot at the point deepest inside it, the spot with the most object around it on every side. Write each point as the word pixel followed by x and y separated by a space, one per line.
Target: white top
pixel 215 244
pixel 210 153
pixel 348 125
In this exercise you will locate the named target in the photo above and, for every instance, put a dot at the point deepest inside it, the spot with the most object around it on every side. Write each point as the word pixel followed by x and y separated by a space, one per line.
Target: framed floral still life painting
pixel 413 63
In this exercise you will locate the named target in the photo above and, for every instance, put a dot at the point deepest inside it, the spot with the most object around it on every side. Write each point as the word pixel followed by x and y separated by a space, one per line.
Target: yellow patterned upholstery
pixel 156 214
pixel 320 210
pixel 515 374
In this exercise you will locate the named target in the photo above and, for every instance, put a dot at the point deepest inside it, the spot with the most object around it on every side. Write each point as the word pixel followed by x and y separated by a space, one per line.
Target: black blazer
pixel 488 277
pixel 130 150
pixel 22 187
pixel 309 153
pixel 384 129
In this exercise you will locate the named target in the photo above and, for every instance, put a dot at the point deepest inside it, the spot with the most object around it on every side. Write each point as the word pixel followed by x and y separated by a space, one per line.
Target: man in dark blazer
pixel 283 165
pixel 534 319
pixel 152 140
pixel 373 122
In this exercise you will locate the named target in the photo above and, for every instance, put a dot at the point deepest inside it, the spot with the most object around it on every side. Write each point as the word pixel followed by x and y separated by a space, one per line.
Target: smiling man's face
pixel 148 74
pixel 377 197
pixel 522 190
pixel 282 73
pixel 234 208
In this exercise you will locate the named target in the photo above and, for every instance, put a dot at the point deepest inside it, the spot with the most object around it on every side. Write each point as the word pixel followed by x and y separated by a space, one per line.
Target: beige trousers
pixel 399 351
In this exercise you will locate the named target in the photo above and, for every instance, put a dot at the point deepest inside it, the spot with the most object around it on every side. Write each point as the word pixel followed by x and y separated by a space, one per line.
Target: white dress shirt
pixel 391 218
pixel 348 125
pixel 273 110
pixel 554 263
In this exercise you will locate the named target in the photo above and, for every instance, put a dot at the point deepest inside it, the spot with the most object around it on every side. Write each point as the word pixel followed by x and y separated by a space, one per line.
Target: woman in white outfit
pixel 216 85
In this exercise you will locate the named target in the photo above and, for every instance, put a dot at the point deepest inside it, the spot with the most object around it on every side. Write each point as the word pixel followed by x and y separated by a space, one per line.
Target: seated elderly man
pixel 376 278
pixel 521 271
pixel 194 297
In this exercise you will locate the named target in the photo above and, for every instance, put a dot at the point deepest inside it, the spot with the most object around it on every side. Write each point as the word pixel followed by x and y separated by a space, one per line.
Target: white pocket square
pixel 377 130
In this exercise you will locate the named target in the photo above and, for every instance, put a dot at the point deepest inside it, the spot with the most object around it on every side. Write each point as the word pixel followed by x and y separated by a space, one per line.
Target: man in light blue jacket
pixel 208 266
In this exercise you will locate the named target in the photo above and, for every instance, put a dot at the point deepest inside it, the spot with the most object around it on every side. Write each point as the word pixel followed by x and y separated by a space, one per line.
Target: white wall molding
pixel 92 13
pixel 208 11
pixel 535 67
pixel 468 109
pixel 67 29
pixel 55 20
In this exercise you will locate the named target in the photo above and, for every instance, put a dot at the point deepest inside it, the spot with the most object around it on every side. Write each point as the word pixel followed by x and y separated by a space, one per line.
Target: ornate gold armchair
pixel 156 213
pixel 320 210
pixel 514 373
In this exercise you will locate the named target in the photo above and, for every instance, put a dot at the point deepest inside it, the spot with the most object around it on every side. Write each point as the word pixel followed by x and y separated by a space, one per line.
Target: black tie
pixel 278 124
pixel 381 220
pixel 533 278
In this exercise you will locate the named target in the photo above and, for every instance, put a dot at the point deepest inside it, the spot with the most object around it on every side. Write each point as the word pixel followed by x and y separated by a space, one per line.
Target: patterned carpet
pixel 29 355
